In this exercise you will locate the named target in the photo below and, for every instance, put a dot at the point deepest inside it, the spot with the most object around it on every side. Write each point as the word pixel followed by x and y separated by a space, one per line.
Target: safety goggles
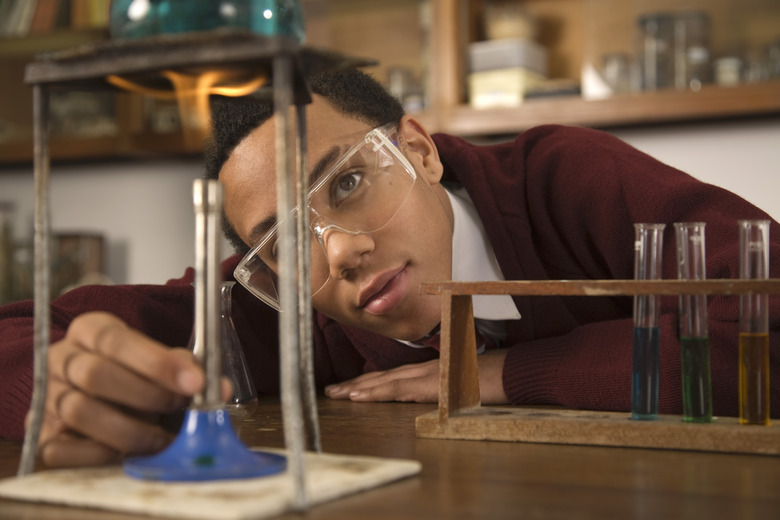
pixel 360 193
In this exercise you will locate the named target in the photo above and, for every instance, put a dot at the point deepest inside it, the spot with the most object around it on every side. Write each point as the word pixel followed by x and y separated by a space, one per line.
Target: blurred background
pixel 695 83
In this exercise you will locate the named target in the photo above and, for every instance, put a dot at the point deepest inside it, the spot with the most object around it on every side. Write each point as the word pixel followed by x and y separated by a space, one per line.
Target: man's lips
pixel 384 292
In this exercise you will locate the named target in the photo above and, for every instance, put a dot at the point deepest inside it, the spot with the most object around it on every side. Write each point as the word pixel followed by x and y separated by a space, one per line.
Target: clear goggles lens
pixel 360 193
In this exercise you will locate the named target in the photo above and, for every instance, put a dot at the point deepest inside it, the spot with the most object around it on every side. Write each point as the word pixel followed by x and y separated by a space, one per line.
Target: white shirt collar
pixel 473 259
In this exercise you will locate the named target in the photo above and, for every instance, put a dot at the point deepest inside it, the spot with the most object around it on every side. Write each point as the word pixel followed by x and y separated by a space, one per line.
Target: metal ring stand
pixel 288 63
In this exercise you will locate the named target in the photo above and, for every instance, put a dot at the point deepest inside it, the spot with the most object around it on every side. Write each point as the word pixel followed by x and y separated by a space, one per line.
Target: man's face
pixel 374 277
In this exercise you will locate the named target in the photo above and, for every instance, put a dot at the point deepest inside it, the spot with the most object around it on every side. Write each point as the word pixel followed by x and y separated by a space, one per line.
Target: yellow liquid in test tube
pixel 754 378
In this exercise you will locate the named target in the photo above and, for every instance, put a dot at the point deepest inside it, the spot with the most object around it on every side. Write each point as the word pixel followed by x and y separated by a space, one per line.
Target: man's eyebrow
pixel 322 165
pixel 261 229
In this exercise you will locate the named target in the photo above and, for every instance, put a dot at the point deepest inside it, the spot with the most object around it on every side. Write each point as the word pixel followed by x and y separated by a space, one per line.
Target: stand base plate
pixel 328 477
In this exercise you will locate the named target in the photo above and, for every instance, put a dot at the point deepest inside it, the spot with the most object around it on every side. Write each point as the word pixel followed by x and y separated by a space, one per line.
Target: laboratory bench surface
pixel 494 480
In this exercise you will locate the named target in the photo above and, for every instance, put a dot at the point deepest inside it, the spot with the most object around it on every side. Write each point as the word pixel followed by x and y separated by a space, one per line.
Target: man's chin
pixel 398 327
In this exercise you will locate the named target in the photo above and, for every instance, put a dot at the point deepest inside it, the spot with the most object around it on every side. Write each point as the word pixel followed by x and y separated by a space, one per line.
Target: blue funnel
pixel 206 448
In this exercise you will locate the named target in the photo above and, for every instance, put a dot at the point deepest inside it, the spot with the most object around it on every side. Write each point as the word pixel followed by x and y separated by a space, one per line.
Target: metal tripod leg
pixel 42 289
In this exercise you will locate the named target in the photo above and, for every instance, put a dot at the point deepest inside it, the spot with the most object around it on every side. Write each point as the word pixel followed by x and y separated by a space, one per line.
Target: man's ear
pixel 421 149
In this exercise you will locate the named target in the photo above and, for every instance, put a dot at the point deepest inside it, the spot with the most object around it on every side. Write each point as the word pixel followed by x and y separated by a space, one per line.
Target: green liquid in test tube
pixel 694 336
pixel 754 325
pixel 648 248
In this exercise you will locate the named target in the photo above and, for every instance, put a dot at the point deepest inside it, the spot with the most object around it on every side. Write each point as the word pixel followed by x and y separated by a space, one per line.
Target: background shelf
pixel 429 40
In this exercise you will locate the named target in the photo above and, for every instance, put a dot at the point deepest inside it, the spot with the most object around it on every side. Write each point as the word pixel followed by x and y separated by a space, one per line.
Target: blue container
pixel 129 19
pixel 206 448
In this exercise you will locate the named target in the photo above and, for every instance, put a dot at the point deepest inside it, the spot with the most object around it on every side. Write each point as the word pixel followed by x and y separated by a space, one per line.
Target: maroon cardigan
pixel 557 203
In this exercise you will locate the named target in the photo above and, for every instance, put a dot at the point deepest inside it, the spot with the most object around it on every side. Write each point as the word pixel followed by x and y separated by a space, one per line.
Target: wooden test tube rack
pixel 460 414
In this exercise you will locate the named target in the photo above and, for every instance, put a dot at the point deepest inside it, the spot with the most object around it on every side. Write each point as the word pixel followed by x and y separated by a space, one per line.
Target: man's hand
pixel 420 382
pixel 108 385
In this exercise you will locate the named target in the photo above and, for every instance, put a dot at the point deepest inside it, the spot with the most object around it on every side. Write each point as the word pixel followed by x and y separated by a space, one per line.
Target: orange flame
pixel 192 92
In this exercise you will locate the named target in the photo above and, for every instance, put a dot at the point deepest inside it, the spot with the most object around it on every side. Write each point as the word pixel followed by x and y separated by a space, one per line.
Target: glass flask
pixel 130 19
pixel 234 366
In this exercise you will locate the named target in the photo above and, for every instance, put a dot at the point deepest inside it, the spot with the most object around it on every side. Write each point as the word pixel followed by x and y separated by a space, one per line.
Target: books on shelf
pixel 45 16
pixel 20 18
pixel 15 17
pixel 88 13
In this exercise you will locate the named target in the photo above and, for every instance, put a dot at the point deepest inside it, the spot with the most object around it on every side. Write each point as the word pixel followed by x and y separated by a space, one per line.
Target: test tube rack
pixel 460 414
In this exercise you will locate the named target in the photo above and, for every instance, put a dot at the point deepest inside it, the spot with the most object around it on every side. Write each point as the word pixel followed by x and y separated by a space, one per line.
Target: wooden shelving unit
pixel 24 48
pixel 670 106
pixel 430 38
pixel 454 24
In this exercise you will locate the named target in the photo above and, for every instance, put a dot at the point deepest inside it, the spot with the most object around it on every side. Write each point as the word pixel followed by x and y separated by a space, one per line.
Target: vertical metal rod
pixel 207 204
pixel 308 388
pixel 288 317
pixel 213 296
pixel 199 326
pixel 42 289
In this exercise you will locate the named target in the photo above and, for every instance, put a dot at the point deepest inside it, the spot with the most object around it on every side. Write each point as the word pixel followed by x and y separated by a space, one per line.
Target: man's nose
pixel 344 250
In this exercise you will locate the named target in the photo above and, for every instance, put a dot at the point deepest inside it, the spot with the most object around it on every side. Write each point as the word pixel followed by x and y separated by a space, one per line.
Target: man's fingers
pixel 417 382
pixel 51 426
pixel 388 378
pixel 58 447
pixel 109 337
pixel 415 389
pixel 108 425
pixel 109 381
pixel 69 450
pixel 226 388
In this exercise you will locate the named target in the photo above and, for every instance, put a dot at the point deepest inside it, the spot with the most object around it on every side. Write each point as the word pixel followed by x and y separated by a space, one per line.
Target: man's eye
pixel 345 186
pixel 270 252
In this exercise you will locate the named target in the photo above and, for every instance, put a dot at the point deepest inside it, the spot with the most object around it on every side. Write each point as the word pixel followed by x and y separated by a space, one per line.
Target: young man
pixel 391 207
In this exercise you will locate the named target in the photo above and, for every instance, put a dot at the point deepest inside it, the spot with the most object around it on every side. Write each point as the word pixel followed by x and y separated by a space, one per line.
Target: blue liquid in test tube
pixel 645 373
pixel 648 248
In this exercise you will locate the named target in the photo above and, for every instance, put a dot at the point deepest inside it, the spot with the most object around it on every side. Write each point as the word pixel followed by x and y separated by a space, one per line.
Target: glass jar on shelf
pixel 692 65
pixel 656 51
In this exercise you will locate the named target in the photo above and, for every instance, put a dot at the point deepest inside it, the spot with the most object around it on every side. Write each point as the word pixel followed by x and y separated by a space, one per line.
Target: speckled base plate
pixel 328 477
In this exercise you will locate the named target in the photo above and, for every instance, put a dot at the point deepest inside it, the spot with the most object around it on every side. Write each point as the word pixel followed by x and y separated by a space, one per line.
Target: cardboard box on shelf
pixel 502 71
pixel 508 53
pixel 501 87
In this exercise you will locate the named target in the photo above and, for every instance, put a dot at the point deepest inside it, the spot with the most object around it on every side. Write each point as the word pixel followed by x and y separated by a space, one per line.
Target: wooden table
pixel 494 480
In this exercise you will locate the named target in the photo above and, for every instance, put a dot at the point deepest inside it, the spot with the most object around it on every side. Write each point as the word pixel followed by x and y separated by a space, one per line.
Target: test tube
pixel 694 336
pixel 754 325
pixel 648 249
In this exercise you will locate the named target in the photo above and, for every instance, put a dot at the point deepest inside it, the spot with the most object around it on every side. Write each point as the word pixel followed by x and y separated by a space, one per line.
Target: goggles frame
pixel 247 268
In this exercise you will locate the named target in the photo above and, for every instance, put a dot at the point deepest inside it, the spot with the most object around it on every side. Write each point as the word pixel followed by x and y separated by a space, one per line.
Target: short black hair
pixel 350 91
